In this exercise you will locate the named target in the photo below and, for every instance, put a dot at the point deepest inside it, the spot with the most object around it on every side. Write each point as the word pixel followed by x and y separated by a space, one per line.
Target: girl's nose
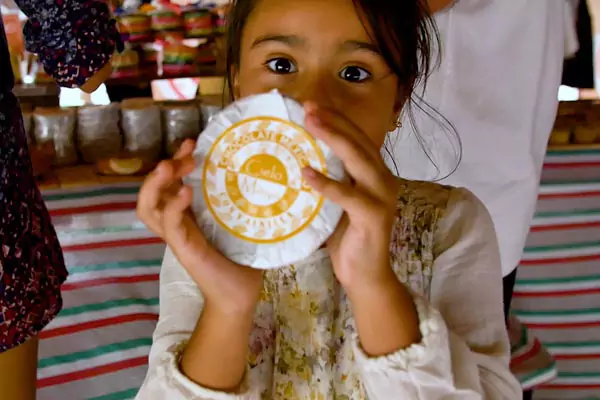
pixel 315 90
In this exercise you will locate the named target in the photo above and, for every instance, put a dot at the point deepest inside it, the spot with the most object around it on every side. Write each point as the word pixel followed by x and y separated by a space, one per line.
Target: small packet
pixel 250 199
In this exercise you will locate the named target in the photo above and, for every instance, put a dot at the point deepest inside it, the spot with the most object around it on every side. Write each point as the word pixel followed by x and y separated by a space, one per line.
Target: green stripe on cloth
pixel 570 279
pixel 107 305
pixel 579 375
pixel 567 246
pixel 114 265
pixel 576 213
pixel 573 152
pixel 102 230
pixel 124 395
pixel 540 313
pixel 95 352
pixel 528 377
pixel 107 191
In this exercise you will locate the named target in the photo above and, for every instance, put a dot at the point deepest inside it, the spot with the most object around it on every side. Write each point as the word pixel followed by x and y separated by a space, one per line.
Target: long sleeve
pixel 73 39
pixel 181 304
pixel 464 352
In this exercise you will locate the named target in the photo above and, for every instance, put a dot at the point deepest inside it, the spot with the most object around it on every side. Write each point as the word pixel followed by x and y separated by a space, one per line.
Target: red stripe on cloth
pixel 535 349
pixel 562 260
pixel 96 324
pixel 562 227
pixel 124 206
pixel 112 243
pixel 91 372
pixel 558 386
pixel 563 293
pixel 109 281
pixel 568 195
pixel 571 165
pixel 576 356
pixel 566 325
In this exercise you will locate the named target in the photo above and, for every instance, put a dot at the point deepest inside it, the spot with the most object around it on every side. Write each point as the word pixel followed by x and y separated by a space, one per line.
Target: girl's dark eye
pixel 281 66
pixel 354 74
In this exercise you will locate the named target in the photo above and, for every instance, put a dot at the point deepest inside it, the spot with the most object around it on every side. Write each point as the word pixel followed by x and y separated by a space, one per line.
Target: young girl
pixel 405 300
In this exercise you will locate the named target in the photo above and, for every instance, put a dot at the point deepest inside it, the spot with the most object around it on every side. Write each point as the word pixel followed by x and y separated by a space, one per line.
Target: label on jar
pixel 253 182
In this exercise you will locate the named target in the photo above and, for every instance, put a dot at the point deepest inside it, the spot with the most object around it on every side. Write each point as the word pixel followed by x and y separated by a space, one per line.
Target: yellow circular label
pixel 253 182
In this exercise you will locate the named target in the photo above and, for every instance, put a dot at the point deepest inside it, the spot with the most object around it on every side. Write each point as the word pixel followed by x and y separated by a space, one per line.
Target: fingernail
pixel 310 107
pixel 309 172
pixel 314 120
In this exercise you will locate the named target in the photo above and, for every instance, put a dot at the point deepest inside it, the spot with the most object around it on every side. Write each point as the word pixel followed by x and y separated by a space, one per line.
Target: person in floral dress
pixel 74 40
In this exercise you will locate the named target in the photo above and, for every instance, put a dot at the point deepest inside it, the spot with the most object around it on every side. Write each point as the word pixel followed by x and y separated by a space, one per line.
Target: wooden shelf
pixel 145 78
pixel 81 176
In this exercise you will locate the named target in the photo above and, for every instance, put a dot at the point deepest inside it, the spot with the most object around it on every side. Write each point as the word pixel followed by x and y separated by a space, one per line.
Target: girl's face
pixel 319 51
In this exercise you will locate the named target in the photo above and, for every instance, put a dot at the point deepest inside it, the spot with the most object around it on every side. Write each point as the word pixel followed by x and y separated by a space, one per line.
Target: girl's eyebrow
pixel 352 45
pixel 297 41
pixel 290 40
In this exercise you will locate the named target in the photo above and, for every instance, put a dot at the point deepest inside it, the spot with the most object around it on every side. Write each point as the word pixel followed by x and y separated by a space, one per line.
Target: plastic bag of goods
pixel 57 126
pixel 142 130
pixel 98 133
pixel 181 121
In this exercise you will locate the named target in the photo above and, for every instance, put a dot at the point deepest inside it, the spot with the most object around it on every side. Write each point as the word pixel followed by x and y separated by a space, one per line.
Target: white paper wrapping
pixel 249 196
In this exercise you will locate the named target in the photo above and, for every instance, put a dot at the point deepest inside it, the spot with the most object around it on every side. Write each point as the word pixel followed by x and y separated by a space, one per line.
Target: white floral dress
pixel 304 345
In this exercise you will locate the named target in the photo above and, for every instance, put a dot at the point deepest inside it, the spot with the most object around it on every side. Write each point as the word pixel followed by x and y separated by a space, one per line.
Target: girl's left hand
pixel 359 248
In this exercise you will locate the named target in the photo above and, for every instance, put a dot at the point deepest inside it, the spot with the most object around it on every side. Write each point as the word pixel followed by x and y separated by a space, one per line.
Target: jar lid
pixel 249 194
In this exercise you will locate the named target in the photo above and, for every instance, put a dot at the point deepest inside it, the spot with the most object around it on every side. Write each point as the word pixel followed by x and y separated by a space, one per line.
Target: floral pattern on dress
pixel 32 267
pixel 302 341
pixel 74 39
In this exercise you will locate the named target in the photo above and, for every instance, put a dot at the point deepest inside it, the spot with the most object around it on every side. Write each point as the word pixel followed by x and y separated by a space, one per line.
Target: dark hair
pixel 405 34
pixel 403 31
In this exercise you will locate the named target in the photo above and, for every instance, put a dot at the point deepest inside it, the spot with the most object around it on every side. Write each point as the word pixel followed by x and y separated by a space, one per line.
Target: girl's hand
pixel 164 206
pixel 359 248
pixel 98 78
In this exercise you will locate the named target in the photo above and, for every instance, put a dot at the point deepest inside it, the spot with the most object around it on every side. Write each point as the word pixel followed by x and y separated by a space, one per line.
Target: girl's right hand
pixel 164 206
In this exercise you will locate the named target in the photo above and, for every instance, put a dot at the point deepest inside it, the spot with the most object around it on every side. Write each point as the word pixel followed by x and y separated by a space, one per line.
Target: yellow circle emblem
pixel 253 182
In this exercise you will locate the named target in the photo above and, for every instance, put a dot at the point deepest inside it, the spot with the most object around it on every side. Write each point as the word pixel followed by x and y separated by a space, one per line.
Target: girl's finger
pixel 363 168
pixel 185 150
pixel 340 123
pixel 162 178
pixel 183 163
pixel 149 205
pixel 340 193
pixel 174 213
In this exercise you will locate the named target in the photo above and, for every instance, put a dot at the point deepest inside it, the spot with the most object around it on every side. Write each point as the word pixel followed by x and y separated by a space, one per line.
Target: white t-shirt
pixel 497 83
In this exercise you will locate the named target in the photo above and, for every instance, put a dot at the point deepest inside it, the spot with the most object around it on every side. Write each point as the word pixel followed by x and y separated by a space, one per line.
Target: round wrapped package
pixel 249 196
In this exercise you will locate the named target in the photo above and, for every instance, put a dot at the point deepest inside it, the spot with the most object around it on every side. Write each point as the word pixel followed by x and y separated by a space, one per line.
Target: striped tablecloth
pixel 557 295
pixel 97 347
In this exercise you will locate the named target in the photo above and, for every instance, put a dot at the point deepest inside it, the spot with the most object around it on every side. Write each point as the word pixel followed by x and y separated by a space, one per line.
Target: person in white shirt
pixel 497 85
